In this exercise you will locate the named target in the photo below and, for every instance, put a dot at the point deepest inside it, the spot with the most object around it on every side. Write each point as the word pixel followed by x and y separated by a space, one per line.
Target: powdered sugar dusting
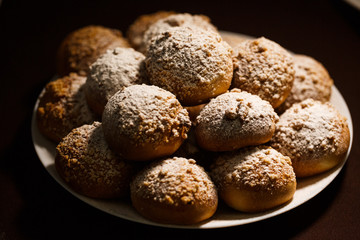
pixel 191 63
pixel 117 68
pixel 257 167
pixel 264 68
pixel 175 20
pixel 175 181
pixel 312 80
pixel 146 114
pixel 234 116
pixel 309 128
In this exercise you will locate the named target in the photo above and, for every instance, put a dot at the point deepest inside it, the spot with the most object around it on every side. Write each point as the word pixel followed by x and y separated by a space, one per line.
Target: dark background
pixel 34 206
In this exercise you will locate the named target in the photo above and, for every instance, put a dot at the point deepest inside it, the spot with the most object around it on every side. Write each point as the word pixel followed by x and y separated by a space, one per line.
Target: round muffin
pixel 136 31
pixel 117 68
pixel 312 80
pixel 83 46
pixel 234 120
pixel 262 67
pixel 193 64
pixel 314 135
pixel 174 191
pixel 85 162
pixel 62 107
pixel 254 179
pixel 143 122
pixel 175 20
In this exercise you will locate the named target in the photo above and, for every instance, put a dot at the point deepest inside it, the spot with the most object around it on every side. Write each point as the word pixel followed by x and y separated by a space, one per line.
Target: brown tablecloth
pixel 34 206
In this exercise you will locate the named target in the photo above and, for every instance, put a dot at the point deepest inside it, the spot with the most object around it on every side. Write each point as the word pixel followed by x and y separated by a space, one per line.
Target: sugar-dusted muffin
pixel 314 135
pixel 262 67
pixel 83 46
pixel 117 68
pixel 174 191
pixel 254 179
pixel 193 64
pixel 86 163
pixel 63 107
pixel 312 80
pixel 234 120
pixel 143 122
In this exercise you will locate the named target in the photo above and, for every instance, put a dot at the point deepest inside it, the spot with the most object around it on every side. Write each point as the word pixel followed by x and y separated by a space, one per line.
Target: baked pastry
pixel 194 64
pixel 83 46
pixel 143 122
pixel 314 135
pixel 117 68
pixel 262 67
pixel 174 191
pixel 174 20
pixel 254 179
pixel 312 80
pixel 136 30
pixel 85 162
pixel 234 120
pixel 62 107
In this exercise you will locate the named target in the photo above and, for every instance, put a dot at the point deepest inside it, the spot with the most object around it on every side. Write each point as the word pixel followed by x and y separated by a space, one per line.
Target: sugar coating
pixel 63 106
pixel 87 162
pixel 117 68
pixel 175 20
pixel 145 114
pixel 235 115
pixel 175 181
pixel 312 80
pixel 190 62
pixel 264 68
pixel 309 130
pixel 259 167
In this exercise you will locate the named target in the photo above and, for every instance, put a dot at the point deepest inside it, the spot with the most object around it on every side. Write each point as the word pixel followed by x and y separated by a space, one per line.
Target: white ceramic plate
pixel 224 217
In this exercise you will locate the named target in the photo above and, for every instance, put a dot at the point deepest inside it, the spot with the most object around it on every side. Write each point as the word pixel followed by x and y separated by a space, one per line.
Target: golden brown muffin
pixel 254 179
pixel 136 31
pixel 86 163
pixel 62 107
pixel 83 46
pixel 262 67
pixel 234 120
pixel 143 122
pixel 174 191
pixel 117 68
pixel 193 64
pixel 314 135
pixel 312 80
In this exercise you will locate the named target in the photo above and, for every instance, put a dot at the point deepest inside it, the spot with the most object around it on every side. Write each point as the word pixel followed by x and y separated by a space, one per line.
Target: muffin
pixel 193 64
pixel 63 107
pixel 262 67
pixel 83 46
pixel 143 122
pixel 117 68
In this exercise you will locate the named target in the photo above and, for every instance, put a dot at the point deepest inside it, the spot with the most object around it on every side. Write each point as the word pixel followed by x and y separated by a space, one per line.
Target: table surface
pixel 34 206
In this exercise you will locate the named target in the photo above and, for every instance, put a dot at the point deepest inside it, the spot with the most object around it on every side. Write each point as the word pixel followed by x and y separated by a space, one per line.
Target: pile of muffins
pixel 178 117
